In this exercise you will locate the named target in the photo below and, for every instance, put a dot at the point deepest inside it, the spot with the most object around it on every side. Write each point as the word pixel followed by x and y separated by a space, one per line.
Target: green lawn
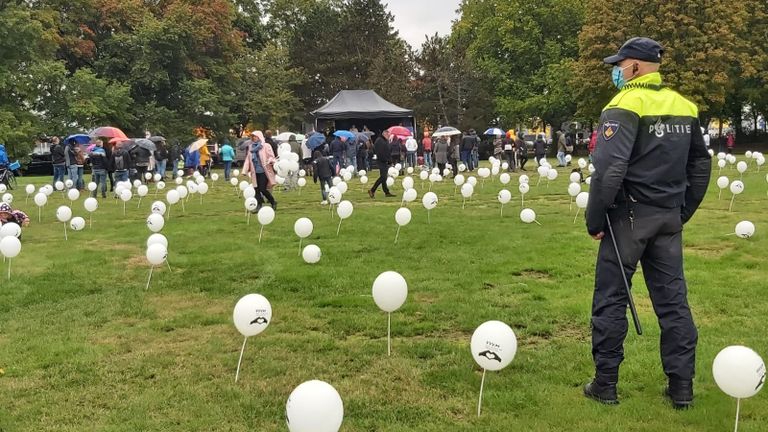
pixel 84 347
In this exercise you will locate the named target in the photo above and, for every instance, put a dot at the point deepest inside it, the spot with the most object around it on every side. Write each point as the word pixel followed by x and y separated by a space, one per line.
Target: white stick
pixel 65 231
pixel 39 211
pixel 90 220
pixel 261 232
pixel 577 215
pixel 139 204
pixel 168 263
pixel 537 222
pixel 502 210
pixel 150 277
pixel 480 399
pixel 738 408
pixel 248 217
pixel 397 234
pixel 123 208
pixel 463 203
pixel 242 350
pixel 300 240
pixel 730 207
pixel 719 195
pixel 389 334
pixel 183 208
pixel 9 268
pixel 339 228
pixel 429 216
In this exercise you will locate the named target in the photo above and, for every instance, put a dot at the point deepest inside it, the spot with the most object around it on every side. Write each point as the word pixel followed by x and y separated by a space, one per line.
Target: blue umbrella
pixel 316 140
pixel 495 131
pixel 344 134
pixel 78 138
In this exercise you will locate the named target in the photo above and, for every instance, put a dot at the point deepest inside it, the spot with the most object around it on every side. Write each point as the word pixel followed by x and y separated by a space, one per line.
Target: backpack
pixel 162 154
pixel 79 157
pixel 120 164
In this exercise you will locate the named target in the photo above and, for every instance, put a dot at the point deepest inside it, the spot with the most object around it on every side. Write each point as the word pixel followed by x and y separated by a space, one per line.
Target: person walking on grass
pixel 652 170
pixel 99 166
pixel 442 149
pixel 260 165
pixel 227 154
pixel 322 170
pixel 383 153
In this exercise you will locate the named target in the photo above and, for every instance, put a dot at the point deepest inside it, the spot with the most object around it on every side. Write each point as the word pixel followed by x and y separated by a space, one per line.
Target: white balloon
pixel 155 222
pixel 484 172
pixel 721 163
pixel 398 166
pixel 523 188
pixel 302 173
pixel 59 185
pixel 433 178
pixel 504 196
pixel 303 227
pixel 156 254
pixel 467 190
pixel 10 246
pixel 236 173
pixel 347 176
pixel 582 163
pixel 249 192
pixel 243 185
pixel 568 158
pixel 446 172
pixel 183 192
pixel 30 189
pixel 91 205
pixel 723 182
pixel 202 188
pixel 68 183
pixel 390 181
pixel 591 168
pixel 215 177
pixel 192 188
pixel 552 174
pixel 126 195
pixel 574 189
pixel 157 238
pixel 233 181
pixel 157 177
pixel 335 181
pixel 745 229
pixel 334 195
pixel 147 176
pixel 279 180
pixel 424 175
pixel 582 199
pixel 575 177
pixel 142 190
pixel 180 173
pixel 429 200
pixel 10 229
pixel 493 345
pixel 409 170
pixel 63 214
pixel 252 314
pixel 739 371
pixel 462 167
pixel 472 180
pixel 199 180
pixel 748 154
pixel 363 180
pixel 47 190
pixel 760 161
pixel 505 166
pixel 721 155
pixel 495 170
pixel 172 196
pixel 403 216
pixel 390 291
pixel 528 216
pixel 459 180
pixel 311 254
pixel 136 183
pixel 741 167
pixel 77 223
pixel 8 198
pixel 342 187
pixel 266 215
pixel 41 199
pixel 737 187
pixel 588 181
pixel 410 195
pixel 160 185
pixel 407 183
pixel 523 179
pixel 543 170
pixel 314 406
pixel 251 204
pixel 344 210
pixel 302 182
pixel 505 178
pixel 92 186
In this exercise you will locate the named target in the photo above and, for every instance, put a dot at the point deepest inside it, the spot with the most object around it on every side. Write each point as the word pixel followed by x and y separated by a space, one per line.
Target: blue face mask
pixel 617 76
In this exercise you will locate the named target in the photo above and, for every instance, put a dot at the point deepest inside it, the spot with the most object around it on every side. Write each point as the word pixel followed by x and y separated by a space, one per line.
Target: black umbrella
pixel 146 144
pixel 157 139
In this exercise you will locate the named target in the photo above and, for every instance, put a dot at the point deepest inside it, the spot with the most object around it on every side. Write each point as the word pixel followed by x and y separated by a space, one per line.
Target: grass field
pixel 83 346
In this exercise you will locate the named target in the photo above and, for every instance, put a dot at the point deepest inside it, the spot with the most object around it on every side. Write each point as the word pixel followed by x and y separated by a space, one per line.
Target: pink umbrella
pixel 108 132
pixel 400 131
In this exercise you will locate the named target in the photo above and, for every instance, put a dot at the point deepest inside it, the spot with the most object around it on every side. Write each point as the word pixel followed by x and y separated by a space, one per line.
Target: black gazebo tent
pixel 363 108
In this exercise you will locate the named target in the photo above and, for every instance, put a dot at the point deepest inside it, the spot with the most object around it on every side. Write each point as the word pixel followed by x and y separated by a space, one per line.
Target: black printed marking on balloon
pixel 490 355
pixel 762 381
pixel 259 320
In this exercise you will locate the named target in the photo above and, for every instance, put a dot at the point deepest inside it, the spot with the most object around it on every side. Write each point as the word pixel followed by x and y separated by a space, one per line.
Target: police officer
pixel 651 173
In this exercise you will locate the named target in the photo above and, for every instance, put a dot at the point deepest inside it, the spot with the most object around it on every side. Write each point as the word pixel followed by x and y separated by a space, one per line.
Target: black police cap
pixel 638 48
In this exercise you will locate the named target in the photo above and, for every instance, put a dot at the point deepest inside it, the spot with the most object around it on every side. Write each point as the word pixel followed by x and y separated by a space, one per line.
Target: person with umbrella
pixel 161 155
pixel 338 151
pixel 383 153
pixel 442 149
pixel 121 161
pixel 259 164
pixel 141 152
pixel 99 166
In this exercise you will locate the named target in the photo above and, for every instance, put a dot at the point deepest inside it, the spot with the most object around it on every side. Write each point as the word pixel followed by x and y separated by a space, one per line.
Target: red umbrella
pixel 400 131
pixel 108 132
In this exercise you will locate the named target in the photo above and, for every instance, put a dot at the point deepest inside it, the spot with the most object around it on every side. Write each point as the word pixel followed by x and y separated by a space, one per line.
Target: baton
pixel 632 308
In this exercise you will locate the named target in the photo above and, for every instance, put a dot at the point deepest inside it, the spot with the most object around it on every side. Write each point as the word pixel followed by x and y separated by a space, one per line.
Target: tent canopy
pixel 360 104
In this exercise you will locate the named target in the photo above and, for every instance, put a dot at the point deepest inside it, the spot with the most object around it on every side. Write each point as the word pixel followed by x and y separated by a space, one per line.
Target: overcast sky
pixel 416 18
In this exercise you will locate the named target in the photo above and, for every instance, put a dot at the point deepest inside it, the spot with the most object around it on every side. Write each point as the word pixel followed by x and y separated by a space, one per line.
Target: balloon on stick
pixel 156 255
pixel 722 183
pixel 155 222
pixel 91 205
pixel 467 190
pixel 344 210
pixel 10 229
pixel 10 247
pixel 311 254
pixel 389 293
pixel 265 216
pixel 172 196
pixel 528 216
pixel 251 204
pixel 40 200
pixel 142 191
pixel 737 187
pixel 493 347
pixel 252 315
pixel 574 189
pixel 30 189
pixel 402 217
pixel 314 406
pixel 64 214
pixel 740 373
pixel 504 197
pixel 77 223
pixel 303 229
pixel 582 199
pixel 429 201
pixel 744 229
pixel 523 188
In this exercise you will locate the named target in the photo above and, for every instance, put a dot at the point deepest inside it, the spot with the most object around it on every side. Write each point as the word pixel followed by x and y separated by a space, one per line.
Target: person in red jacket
pixel 592 143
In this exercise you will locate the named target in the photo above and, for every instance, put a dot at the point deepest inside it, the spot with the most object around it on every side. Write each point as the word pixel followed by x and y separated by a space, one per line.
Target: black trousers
pixel 654 238
pixel 262 191
pixel 382 180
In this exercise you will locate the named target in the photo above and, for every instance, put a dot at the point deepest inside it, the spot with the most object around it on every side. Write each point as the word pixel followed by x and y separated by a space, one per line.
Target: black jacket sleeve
pixel 698 171
pixel 616 139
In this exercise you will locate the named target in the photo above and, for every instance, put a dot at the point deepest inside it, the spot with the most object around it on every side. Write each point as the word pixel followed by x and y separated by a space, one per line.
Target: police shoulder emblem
pixel 610 129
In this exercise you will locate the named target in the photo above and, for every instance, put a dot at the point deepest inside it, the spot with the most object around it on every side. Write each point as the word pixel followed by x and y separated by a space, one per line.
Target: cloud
pixel 415 19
